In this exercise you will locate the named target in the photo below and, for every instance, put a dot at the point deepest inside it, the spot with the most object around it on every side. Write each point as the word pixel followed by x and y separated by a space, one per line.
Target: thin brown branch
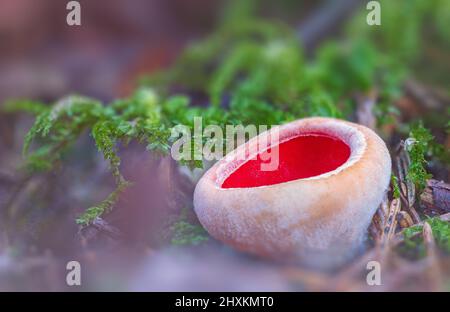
pixel 391 222
pixel 434 271
pixel 404 219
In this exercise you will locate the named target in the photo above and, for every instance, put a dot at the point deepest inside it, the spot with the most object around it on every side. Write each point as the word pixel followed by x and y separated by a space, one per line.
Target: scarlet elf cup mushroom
pixel 330 177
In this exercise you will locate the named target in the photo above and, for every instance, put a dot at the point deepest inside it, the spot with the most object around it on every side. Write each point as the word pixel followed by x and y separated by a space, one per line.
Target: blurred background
pixel 41 56
pixel 387 77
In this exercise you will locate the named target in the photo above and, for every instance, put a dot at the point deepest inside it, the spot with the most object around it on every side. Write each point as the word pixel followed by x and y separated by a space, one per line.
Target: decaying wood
pixel 404 219
pixel 435 199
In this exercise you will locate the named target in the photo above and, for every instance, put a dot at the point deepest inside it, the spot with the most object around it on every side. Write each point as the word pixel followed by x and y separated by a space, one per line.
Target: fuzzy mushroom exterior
pixel 319 214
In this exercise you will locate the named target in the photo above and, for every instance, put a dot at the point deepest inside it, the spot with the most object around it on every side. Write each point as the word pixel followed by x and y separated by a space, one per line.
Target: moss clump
pixel 395 187
pixel 413 246
pixel 418 148
pixel 183 233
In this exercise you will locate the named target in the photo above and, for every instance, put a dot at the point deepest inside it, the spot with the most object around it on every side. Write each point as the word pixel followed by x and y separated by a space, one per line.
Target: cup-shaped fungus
pixel 328 180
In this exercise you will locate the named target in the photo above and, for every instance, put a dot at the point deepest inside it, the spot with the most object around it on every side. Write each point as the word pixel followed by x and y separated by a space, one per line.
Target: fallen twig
pixel 433 271
pixel 404 219
pixel 391 222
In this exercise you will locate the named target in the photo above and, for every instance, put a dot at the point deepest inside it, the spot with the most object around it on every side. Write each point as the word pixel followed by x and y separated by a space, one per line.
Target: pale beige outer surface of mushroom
pixel 326 214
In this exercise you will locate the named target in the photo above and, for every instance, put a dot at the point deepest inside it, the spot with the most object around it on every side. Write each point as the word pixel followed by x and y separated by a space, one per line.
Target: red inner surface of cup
pixel 303 156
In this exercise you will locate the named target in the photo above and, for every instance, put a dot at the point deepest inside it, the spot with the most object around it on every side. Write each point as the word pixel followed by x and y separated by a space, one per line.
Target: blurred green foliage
pixel 411 36
pixel 413 246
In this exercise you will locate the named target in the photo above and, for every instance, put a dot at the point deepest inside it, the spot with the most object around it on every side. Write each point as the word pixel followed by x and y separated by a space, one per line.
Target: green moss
pixel 24 105
pixel 418 148
pixel 104 207
pixel 395 186
pixel 413 246
pixel 183 233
